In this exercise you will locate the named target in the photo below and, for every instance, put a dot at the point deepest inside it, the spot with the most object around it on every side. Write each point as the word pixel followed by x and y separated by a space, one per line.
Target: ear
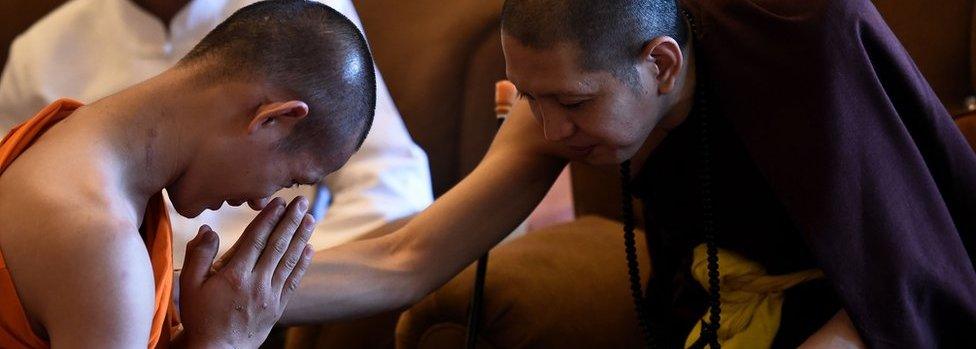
pixel 278 114
pixel 663 56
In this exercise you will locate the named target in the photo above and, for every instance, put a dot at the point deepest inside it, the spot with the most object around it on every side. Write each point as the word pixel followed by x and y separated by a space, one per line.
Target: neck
pixel 154 129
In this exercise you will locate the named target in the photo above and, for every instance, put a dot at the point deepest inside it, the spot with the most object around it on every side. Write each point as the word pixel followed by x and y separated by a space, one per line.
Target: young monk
pixel 387 179
pixel 792 142
pixel 85 237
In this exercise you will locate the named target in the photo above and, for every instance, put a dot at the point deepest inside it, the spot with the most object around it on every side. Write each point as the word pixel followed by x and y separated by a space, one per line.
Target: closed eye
pixel 299 183
pixel 573 105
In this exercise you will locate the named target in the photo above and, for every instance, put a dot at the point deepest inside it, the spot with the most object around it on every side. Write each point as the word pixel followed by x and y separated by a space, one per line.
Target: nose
pixel 236 203
pixel 556 126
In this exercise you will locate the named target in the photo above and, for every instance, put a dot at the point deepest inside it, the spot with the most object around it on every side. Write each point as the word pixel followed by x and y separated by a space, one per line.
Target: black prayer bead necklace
pixel 709 330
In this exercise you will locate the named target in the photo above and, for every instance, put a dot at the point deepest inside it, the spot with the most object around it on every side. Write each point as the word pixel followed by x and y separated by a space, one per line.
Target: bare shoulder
pixel 80 268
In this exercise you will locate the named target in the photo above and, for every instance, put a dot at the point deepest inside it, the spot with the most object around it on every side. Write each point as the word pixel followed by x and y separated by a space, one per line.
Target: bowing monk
pixel 84 234
pixel 802 183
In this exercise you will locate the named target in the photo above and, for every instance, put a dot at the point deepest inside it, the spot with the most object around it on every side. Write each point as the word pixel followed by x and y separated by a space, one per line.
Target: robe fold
pixel 829 151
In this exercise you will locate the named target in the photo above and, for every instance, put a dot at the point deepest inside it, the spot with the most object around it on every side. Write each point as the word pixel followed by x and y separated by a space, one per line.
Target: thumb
pixel 200 253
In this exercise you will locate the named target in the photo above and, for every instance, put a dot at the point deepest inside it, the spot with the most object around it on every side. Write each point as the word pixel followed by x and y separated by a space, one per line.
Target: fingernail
pixel 278 210
pixel 309 219
pixel 209 235
pixel 302 204
pixel 203 229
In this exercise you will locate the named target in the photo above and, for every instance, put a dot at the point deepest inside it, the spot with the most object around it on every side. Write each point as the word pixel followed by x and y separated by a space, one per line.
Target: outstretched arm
pixel 387 179
pixel 397 270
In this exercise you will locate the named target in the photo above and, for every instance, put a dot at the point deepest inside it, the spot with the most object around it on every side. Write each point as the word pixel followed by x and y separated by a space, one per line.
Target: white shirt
pixel 88 49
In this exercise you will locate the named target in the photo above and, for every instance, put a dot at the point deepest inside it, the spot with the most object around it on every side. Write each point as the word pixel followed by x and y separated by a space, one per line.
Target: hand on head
pixel 236 301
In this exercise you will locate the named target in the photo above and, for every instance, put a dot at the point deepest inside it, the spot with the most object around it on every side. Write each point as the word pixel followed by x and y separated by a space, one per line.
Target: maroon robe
pixel 829 151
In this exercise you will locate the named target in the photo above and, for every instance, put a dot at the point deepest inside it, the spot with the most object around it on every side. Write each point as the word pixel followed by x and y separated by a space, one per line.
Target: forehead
pixel 547 71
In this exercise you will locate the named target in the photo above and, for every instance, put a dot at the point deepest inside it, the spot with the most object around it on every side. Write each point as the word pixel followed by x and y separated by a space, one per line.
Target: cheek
pixel 251 181
pixel 264 179
pixel 614 128
pixel 636 120
pixel 621 119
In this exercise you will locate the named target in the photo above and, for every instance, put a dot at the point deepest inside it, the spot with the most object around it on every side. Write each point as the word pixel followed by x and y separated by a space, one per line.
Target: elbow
pixel 413 294
pixel 417 281
pixel 414 274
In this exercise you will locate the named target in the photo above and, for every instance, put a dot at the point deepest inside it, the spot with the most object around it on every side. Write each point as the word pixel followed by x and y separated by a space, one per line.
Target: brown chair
pixel 941 41
pixel 967 124
pixel 440 60
pixel 17 16
pixel 561 287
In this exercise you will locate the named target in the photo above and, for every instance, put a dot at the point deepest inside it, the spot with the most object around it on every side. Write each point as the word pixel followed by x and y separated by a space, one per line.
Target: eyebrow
pixel 560 91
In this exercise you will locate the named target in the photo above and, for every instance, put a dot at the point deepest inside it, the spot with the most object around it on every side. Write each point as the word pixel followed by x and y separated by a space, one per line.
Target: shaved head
pixel 306 49
pixel 609 33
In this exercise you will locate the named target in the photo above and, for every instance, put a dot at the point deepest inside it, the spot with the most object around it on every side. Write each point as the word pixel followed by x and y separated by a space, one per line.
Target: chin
pixel 606 157
pixel 601 161
pixel 188 211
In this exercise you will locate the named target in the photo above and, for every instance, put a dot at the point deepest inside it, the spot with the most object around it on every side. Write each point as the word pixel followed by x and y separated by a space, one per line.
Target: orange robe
pixel 15 330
